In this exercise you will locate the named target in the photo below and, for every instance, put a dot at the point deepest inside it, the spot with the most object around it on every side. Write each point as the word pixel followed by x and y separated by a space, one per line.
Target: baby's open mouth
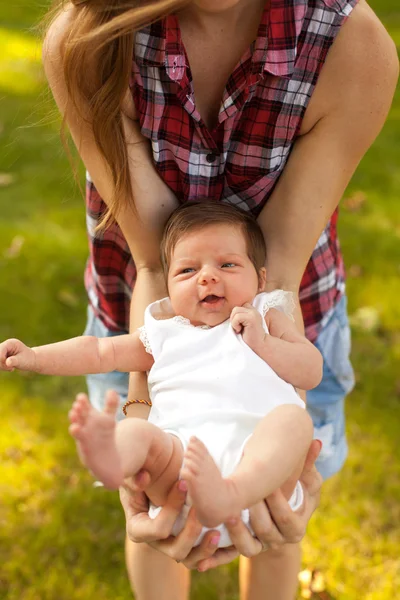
pixel 211 299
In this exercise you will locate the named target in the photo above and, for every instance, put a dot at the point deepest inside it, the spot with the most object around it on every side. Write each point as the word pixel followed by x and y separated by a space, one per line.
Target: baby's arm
pixel 77 356
pixel 285 349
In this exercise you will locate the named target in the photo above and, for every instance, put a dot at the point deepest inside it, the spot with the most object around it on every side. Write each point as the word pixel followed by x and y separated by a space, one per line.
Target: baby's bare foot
pixel 214 497
pixel 94 433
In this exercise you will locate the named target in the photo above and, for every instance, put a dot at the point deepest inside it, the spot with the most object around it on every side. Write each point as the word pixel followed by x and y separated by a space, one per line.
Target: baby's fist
pixel 15 355
pixel 248 321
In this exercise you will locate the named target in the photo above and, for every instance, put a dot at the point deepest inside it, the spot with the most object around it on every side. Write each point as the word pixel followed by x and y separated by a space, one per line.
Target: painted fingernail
pixel 139 475
pixel 320 443
pixel 182 486
pixel 214 540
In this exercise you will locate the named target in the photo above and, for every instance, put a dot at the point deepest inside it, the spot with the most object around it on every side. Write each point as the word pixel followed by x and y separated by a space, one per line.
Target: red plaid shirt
pixel 241 159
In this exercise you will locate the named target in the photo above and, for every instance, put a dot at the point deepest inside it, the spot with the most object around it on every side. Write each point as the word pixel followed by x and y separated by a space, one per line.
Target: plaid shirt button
pixel 210 158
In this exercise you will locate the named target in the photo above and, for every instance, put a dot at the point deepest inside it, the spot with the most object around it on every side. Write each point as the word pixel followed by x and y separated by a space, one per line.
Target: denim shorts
pixel 100 383
pixel 325 403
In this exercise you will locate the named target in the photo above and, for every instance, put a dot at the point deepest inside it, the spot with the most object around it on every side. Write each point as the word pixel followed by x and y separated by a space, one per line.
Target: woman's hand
pixel 157 532
pixel 273 521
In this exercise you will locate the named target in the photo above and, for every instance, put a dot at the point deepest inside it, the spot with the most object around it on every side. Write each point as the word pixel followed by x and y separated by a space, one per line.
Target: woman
pixel 267 105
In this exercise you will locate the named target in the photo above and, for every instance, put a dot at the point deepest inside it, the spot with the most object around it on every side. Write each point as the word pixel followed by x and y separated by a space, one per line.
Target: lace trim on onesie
pixel 281 300
pixel 186 322
pixel 144 339
pixel 179 320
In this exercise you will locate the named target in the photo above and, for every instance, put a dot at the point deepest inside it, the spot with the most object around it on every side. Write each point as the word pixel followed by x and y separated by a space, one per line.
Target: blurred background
pixel 60 538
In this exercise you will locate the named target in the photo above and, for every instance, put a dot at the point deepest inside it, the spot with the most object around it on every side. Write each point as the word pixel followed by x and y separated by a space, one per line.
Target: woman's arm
pixel 346 113
pixel 142 227
pixel 154 201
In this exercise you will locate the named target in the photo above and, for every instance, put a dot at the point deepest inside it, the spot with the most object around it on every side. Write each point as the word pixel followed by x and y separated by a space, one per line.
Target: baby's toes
pixel 75 430
pixel 197 449
pixel 74 414
pixel 111 403
pixel 82 401
pixel 189 469
pixel 191 461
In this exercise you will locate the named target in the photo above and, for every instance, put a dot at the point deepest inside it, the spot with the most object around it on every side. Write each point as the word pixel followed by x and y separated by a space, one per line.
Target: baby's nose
pixel 208 273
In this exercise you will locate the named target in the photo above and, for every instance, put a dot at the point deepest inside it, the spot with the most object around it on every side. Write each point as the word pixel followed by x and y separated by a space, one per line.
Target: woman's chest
pixel 220 134
pixel 221 124
pixel 209 79
pixel 211 64
pixel 213 53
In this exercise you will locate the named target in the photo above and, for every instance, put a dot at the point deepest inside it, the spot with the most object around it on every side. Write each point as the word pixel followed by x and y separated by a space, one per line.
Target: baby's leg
pixel 273 455
pixel 114 451
pixel 142 445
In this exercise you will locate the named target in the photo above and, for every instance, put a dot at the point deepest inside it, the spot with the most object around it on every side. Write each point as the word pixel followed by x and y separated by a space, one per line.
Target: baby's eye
pixel 187 270
pixel 228 264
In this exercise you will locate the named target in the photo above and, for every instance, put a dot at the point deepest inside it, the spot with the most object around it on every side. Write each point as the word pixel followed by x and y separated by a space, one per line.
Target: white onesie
pixel 206 381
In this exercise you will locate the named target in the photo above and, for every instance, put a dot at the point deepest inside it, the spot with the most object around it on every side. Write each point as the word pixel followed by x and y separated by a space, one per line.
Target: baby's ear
pixel 262 278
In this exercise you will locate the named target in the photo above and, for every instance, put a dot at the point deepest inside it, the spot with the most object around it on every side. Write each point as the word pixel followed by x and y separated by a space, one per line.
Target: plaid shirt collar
pixel 274 50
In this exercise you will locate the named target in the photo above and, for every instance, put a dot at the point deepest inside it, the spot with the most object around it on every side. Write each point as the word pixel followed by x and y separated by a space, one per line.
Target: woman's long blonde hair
pixel 100 43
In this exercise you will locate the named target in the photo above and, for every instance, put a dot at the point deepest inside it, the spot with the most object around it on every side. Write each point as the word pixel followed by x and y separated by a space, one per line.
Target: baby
pixel 224 359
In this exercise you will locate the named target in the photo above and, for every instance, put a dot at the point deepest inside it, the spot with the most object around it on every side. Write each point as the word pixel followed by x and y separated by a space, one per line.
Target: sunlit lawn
pixel 59 537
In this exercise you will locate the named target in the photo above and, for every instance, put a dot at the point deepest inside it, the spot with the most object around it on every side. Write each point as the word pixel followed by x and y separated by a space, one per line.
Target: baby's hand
pixel 248 321
pixel 15 355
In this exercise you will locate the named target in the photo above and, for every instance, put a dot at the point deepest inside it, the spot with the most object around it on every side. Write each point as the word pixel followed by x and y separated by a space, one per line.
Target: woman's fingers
pixel 141 480
pixel 157 532
pixel 206 549
pixel 290 525
pixel 139 526
pixel 222 556
pixel 264 527
pixel 312 454
pixel 179 547
pixel 273 521
pixel 242 539
pixel 310 478
pixel 133 501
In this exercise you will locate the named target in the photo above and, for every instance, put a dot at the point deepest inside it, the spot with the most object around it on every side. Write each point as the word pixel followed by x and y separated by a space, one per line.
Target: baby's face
pixel 210 273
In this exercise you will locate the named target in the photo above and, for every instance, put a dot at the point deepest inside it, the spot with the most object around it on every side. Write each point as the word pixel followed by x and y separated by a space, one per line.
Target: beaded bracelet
pixel 135 401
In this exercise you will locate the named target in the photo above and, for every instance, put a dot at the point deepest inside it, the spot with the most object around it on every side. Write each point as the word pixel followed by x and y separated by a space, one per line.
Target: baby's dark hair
pixel 197 215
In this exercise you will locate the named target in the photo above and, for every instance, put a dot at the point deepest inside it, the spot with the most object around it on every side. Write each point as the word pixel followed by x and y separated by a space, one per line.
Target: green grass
pixel 59 537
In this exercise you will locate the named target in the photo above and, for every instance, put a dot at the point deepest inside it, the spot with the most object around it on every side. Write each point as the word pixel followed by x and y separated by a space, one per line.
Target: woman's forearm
pixel 299 208
pixel 348 109
pixel 150 286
